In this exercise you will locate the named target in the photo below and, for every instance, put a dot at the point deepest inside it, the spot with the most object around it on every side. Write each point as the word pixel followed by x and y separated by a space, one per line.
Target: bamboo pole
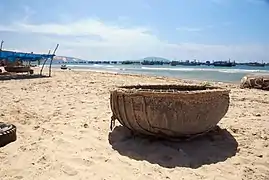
pixel 2 42
pixel 52 59
pixel 44 64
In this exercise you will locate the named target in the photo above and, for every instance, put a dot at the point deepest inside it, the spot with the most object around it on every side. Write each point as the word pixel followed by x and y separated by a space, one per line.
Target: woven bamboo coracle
pixel 169 110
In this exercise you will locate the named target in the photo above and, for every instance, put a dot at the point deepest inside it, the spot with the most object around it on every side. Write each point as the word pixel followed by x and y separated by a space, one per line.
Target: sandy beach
pixel 63 133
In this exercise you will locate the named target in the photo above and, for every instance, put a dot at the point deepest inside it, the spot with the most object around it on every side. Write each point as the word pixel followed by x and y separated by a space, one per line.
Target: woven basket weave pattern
pixel 168 110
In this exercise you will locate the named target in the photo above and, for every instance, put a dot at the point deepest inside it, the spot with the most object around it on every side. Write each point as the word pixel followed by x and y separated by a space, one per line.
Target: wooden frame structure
pixel 13 61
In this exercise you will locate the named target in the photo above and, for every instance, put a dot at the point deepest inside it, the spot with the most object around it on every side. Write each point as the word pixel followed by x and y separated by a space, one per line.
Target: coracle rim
pixel 135 90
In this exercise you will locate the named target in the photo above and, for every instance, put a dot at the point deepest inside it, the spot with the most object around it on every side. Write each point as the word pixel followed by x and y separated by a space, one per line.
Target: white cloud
pixel 94 39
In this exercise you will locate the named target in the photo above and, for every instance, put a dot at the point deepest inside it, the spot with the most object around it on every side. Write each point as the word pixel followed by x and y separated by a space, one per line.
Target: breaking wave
pixel 207 69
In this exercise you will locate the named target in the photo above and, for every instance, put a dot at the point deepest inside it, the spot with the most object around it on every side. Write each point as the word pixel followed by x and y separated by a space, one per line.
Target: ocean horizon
pixel 204 73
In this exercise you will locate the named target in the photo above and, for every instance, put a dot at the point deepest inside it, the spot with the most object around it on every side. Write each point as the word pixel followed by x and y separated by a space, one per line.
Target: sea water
pixel 203 72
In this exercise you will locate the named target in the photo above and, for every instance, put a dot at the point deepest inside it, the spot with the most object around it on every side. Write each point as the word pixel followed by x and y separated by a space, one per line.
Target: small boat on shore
pixel 64 67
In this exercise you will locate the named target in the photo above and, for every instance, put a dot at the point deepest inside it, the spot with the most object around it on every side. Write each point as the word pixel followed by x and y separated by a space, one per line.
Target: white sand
pixel 63 133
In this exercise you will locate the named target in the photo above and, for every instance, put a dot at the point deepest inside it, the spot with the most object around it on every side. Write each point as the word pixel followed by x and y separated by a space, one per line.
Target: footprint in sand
pixel 68 170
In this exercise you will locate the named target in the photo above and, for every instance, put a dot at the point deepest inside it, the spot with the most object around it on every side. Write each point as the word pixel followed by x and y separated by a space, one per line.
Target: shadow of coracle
pixel 213 147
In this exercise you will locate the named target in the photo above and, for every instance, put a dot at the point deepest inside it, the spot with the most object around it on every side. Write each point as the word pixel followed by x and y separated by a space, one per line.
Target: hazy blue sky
pixel 133 29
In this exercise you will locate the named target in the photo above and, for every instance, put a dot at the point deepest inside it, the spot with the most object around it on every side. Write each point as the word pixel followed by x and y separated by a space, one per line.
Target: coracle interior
pixel 169 88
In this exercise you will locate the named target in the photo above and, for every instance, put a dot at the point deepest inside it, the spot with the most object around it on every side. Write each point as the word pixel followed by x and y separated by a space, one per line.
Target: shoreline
pixel 184 80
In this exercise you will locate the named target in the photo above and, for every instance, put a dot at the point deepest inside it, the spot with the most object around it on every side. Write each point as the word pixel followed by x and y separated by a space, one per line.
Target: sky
pixel 134 29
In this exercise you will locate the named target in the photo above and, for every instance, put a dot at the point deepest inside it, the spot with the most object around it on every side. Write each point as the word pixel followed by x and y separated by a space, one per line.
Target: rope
pixel 112 122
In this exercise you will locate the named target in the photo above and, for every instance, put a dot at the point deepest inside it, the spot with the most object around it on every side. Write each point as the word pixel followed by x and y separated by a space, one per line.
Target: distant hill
pixel 61 59
pixel 155 59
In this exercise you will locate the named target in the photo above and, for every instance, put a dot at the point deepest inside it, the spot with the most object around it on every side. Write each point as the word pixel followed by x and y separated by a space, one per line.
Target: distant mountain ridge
pixel 62 59
pixel 153 58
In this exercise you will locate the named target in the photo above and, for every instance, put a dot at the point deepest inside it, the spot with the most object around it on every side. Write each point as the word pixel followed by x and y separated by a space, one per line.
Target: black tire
pixel 9 135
